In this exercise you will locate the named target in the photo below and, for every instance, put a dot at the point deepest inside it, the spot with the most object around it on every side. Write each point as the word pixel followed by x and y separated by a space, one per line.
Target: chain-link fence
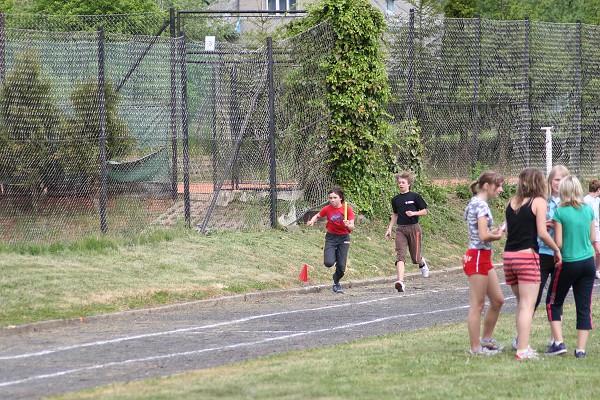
pixel 257 130
pixel 146 24
pixel 76 160
pixel 248 149
pixel 481 91
pixel 235 136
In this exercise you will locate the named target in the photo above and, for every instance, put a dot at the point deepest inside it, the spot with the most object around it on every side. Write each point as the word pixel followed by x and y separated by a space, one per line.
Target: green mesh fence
pixel 482 90
pixel 53 183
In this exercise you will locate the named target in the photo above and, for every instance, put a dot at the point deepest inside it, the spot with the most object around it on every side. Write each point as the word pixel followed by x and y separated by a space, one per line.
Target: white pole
pixel 548 130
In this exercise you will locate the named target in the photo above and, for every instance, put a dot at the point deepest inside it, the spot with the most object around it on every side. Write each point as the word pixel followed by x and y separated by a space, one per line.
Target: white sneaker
pixel 529 354
pixel 399 285
pixel 484 352
pixel 598 274
pixel 424 269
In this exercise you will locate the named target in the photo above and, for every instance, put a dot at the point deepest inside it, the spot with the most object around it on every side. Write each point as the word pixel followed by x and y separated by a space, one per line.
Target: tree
pixel 427 7
pixel 358 93
pixel 7 6
pixel 93 7
pixel 31 123
pixel 79 154
pixel 460 9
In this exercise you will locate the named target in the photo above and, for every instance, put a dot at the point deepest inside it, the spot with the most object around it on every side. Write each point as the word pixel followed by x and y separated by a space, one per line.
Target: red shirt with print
pixel 335 219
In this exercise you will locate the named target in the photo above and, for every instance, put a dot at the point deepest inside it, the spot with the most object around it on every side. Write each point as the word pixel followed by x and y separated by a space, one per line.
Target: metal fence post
pixel 577 95
pixel 475 109
pixel 411 65
pixel 2 49
pixel 173 126
pixel 184 131
pixel 102 116
pixel 272 169
pixel 526 128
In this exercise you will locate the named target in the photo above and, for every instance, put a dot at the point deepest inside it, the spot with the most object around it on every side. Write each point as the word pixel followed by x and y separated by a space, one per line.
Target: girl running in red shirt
pixel 340 222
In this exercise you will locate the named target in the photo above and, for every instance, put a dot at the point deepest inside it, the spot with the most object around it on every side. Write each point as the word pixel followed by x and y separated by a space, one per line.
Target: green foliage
pixel 7 6
pixel 460 9
pixel 358 93
pixel 427 7
pixel 411 150
pixel 81 148
pixel 39 143
pixel 93 7
pixel 30 121
pixel 570 11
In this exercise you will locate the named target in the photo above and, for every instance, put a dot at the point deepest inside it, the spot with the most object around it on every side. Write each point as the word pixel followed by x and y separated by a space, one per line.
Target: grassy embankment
pixel 100 274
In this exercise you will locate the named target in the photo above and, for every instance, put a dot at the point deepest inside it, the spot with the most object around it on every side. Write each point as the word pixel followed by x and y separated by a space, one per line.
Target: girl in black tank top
pixel 521 261
pixel 522 229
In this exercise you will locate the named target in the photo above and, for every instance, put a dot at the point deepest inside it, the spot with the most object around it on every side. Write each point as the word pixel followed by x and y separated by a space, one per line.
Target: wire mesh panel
pixel 590 105
pixel 302 122
pixel 144 74
pixel 555 83
pixel 134 24
pixel 48 157
pixel 228 135
pixel 52 133
pixel 243 171
pixel 481 91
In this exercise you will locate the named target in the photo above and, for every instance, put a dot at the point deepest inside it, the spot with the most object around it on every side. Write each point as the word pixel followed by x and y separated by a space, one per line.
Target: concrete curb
pixel 42 325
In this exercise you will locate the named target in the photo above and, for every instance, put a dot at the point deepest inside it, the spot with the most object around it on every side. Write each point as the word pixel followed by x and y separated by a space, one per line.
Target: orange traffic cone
pixel 304 273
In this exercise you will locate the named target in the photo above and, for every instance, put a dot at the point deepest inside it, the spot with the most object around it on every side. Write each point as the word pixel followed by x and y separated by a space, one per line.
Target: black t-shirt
pixel 409 201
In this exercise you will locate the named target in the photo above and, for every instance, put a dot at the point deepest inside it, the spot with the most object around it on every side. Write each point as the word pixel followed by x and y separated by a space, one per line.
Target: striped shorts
pixel 521 267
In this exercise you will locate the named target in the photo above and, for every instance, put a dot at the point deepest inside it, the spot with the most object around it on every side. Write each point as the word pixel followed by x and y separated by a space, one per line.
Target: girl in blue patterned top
pixel 477 264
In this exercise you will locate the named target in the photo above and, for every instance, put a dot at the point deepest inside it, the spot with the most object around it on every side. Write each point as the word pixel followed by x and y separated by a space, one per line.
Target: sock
pixel 556 342
pixel 578 350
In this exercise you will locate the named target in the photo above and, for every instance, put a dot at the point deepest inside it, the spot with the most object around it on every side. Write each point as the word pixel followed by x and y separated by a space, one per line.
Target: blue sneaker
pixel 579 354
pixel 556 349
pixel 337 288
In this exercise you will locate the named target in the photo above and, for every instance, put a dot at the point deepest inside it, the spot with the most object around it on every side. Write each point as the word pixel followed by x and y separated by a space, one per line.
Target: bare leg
pixel 556 329
pixel 494 293
pixel 527 294
pixel 477 289
pixel 582 337
pixel 400 268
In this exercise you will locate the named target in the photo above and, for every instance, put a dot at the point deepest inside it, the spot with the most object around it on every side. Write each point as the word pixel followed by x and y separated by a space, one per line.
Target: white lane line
pixel 228 347
pixel 195 328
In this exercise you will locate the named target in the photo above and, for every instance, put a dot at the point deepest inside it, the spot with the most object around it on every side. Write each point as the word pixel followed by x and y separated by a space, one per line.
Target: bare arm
pixel 486 235
pixel 558 234
pixel 393 221
pixel 419 213
pixel 314 219
pixel 539 208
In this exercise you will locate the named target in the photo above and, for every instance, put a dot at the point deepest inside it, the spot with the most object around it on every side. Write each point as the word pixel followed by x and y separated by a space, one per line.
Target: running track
pixel 163 341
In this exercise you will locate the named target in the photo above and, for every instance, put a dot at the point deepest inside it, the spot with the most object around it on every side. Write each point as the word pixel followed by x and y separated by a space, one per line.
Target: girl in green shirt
pixel 574 233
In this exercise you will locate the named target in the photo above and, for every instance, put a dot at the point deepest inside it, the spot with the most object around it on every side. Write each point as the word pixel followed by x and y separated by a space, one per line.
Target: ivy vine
pixel 357 96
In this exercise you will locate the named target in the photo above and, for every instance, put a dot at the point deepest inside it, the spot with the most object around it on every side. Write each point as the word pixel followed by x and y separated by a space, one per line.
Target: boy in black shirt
pixel 407 208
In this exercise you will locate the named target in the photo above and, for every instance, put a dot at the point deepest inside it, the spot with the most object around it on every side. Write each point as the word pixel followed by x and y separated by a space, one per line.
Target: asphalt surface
pixel 62 356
